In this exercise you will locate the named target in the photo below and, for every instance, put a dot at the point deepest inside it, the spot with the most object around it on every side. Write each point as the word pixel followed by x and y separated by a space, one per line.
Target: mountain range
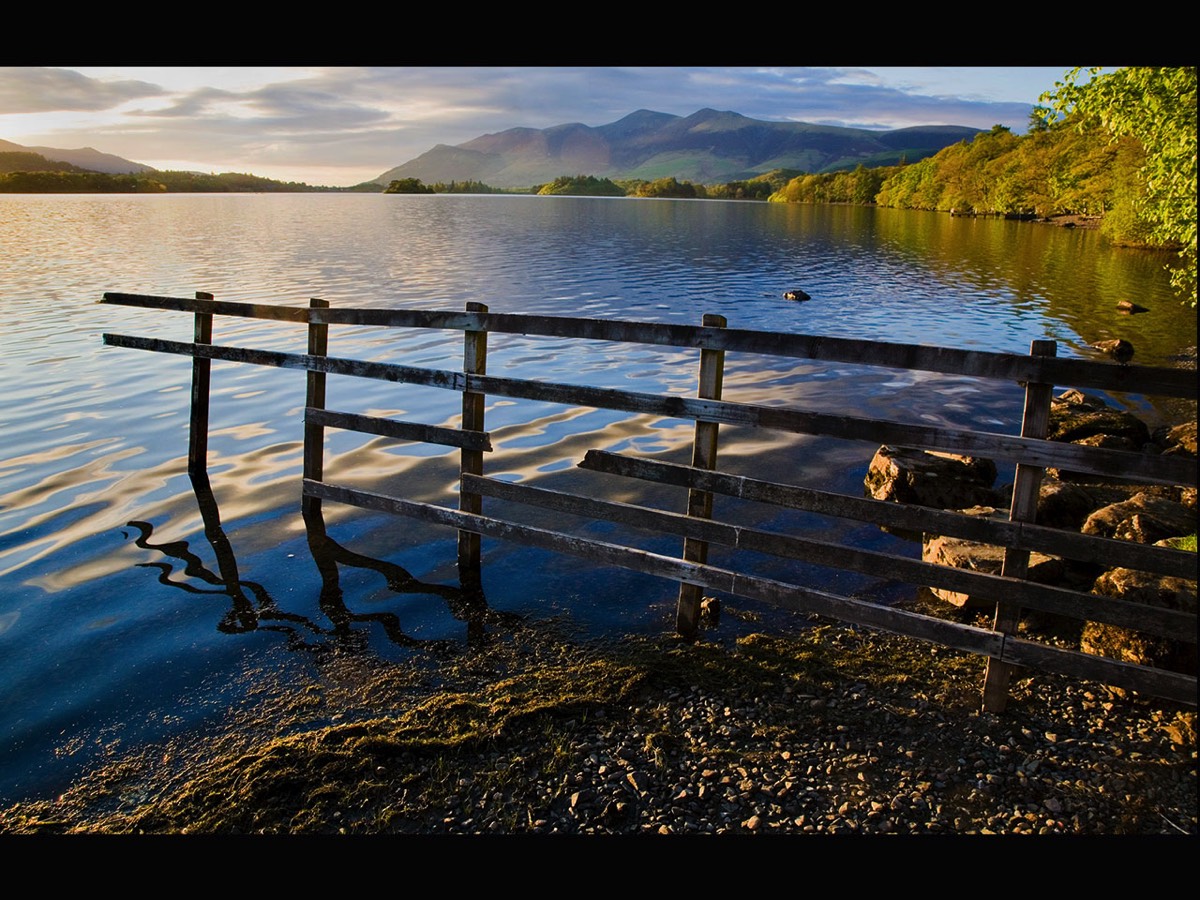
pixel 83 157
pixel 707 147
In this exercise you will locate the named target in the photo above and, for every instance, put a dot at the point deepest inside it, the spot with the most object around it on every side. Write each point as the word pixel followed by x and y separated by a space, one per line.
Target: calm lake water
pixel 117 624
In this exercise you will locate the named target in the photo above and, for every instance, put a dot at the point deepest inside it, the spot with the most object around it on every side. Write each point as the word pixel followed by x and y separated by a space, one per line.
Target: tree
pixel 408 186
pixel 1157 106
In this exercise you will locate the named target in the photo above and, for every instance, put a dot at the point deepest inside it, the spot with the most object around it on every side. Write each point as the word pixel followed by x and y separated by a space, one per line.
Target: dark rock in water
pixel 1075 416
pixel 939 480
pixel 1129 307
pixel 1120 349
pixel 795 295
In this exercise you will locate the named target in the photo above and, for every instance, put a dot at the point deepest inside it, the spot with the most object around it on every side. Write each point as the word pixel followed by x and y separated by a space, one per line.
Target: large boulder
pixel 1063 504
pixel 1131 646
pixel 924 478
pixel 1075 415
pixel 1144 517
pixel 986 558
pixel 1177 440
pixel 1078 418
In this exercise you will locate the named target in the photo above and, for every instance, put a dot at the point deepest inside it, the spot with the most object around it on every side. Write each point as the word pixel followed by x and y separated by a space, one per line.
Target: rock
pixel 1075 416
pixel 1179 440
pixel 1181 729
pixel 938 480
pixel 1101 441
pixel 986 558
pixel 1120 350
pixel 1131 646
pixel 1144 518
pixel 1064 505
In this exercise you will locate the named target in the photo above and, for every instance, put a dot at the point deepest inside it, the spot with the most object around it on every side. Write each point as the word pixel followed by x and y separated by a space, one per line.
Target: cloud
pixel 288 107
pixel 38 89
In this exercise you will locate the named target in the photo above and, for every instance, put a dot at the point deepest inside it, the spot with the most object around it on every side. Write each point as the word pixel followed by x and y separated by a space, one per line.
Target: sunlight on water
pixel 117 602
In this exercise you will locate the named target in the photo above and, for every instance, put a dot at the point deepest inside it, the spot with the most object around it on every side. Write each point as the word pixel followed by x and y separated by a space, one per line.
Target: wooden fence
pixel 1040 372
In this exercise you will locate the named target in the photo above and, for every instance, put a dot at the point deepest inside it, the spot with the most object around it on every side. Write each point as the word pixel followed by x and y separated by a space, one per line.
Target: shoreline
pixel 832 730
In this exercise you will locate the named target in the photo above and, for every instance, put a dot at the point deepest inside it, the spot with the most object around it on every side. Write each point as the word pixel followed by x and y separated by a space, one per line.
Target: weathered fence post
pixel 201 379
pixel 1026 485
pixel 314 435
pixel 704 456
pixel 474 363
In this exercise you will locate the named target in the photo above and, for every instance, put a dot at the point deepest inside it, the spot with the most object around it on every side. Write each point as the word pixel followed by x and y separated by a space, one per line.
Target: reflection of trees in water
pixel 252 606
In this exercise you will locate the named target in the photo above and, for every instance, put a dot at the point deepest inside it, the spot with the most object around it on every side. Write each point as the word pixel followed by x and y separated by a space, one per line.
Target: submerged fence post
pixel 314 435
pixel 201 380
pixel 704 456
pixel 1026 485
pixel 474 363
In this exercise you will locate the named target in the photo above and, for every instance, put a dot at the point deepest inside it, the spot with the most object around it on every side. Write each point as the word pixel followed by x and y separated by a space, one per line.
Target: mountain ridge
pixel 708 146
pixel 84 157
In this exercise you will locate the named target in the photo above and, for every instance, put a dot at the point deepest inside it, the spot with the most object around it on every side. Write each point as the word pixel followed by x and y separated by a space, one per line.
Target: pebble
pixel 869 768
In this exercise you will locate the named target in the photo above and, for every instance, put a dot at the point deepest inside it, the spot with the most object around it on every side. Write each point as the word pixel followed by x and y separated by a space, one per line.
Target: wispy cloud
pixel 34 90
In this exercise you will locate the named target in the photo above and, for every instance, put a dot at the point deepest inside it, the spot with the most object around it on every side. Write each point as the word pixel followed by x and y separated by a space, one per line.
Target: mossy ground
pixel 345 747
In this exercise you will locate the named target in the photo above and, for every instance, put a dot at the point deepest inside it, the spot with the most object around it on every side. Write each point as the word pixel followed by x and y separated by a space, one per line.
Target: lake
pixel 115 625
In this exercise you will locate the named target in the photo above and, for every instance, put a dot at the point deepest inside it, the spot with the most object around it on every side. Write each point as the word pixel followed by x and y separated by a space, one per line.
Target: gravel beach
pixel 832 730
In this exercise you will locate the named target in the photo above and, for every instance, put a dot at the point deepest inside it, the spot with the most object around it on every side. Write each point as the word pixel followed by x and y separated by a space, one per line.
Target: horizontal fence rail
pixel 1113 463
pixel 1019 535
pixel 1002 366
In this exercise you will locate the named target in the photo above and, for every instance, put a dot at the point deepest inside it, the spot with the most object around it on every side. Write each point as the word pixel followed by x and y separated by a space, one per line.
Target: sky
pixel 342 125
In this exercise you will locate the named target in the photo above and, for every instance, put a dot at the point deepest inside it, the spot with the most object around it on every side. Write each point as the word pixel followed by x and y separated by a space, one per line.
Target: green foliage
pixel 581 186
pixel 1056 169
pixel 860 186
pixel 227 182
pixel 464 187
pixel 754 189
pixel 669 187
pixel 78 183
pixel 1184 543
pixel 408 186
pixel 28 161
pixel 1156 106
pixel 979 177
